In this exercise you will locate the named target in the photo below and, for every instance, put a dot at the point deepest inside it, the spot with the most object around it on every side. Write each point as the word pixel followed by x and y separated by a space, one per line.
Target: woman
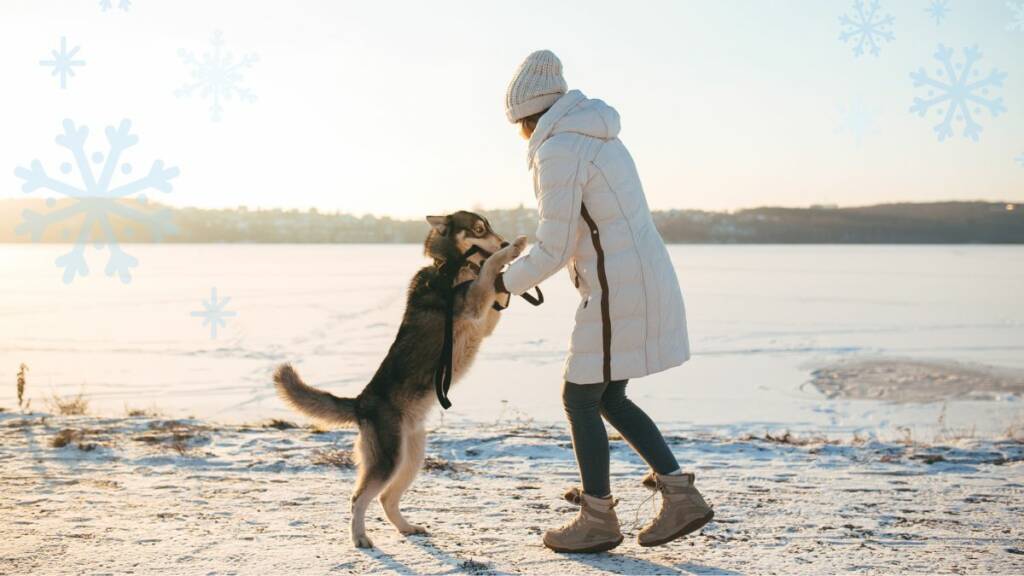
pixel 630 322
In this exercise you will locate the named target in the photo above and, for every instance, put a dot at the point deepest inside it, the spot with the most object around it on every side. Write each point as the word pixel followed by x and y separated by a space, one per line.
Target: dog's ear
pixel 439 223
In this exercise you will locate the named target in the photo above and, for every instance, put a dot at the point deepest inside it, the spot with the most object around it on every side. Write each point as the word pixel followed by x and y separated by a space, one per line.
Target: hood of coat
pixel 578 114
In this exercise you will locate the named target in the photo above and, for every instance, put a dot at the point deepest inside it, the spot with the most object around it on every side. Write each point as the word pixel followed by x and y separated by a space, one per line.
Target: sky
pixel 397 108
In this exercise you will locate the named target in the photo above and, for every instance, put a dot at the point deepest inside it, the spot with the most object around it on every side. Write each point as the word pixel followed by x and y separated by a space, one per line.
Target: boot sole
pixel 604 547
pixel 688 529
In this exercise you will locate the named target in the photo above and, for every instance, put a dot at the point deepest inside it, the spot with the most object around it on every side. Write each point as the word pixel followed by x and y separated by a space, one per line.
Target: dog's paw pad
pixel 362 541
pixel 413 529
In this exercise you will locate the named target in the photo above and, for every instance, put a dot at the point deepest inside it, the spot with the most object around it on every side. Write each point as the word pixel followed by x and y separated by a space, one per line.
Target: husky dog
pixel 391 410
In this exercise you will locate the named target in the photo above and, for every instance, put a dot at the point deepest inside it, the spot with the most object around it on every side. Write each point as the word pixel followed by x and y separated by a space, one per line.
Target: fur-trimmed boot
pixel 595 528
pixel 683 511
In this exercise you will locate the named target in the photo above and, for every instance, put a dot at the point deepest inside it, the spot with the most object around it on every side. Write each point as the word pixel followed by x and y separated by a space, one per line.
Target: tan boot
pixel 683 510
pixel 595 528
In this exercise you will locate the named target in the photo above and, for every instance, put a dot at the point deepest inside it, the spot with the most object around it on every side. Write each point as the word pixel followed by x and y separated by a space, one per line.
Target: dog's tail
pixel 321 406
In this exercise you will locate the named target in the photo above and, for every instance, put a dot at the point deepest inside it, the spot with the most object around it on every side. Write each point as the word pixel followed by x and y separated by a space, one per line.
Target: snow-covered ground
pixel 895 371
pixel 151 496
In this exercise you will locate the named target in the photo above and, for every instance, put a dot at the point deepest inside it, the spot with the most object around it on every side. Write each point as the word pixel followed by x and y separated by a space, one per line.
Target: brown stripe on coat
pixel 602 278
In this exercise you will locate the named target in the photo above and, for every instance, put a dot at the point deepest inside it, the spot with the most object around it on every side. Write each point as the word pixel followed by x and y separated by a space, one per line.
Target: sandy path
pixel 182 498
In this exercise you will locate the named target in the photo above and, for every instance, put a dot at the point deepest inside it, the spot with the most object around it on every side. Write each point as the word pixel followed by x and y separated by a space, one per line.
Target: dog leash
pixel 443 374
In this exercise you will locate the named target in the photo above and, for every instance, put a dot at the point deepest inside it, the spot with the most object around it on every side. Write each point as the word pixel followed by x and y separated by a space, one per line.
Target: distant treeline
pixel 927 223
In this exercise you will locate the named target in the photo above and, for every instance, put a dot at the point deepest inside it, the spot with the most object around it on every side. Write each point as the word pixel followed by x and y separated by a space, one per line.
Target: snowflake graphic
pixel 857 119
pixel 96 199
pixel 958 87
pixel 1017 21
pixel 217 75
pixel 122 5
pixel 867 27
pixel 1020 160
pixel 63 62
pixel 938 10
pixel 214 313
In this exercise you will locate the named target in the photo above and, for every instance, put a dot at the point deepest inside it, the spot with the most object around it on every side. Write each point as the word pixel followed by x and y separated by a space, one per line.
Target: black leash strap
pixel 531 299
pixel 443 374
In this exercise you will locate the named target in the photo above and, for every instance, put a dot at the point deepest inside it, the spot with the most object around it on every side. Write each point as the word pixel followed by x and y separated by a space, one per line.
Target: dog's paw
pixel 362 541
pixel 518 246
pixel 412 529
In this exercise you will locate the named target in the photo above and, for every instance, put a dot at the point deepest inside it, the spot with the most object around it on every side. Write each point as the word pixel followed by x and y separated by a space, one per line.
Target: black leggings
pixel 584 406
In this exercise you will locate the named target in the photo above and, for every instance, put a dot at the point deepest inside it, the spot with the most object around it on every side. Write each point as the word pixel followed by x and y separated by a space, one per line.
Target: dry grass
pixel 21 385
pixel 173 435
pixel 345 460
pixel 68 436
pixel 69 405
pixel 789 439
pixel 337 458
pixel 280 424
pixel 152 412
pixel 1015 431
pixel 437 464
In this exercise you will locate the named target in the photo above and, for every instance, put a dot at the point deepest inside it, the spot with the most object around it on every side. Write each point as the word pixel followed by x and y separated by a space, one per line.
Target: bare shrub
pixel 21 385
pixel 68 406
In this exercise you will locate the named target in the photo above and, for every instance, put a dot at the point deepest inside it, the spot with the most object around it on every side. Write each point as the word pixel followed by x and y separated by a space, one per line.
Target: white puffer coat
pixel 594 218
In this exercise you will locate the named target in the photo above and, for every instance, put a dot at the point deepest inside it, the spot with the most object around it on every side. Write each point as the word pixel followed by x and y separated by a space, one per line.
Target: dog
pixel 391 410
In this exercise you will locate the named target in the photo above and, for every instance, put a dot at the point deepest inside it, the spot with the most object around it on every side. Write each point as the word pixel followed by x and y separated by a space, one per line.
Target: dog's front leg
pixel 481 292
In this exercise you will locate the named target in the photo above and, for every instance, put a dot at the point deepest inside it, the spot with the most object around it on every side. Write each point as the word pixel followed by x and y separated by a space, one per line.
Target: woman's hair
pixel 529 124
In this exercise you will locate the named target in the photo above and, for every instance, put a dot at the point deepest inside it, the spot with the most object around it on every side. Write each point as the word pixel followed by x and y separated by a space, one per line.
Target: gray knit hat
pixel 536 85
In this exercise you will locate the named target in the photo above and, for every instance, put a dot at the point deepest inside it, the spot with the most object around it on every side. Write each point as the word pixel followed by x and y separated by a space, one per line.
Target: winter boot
pixel 683 511
pixel 595 528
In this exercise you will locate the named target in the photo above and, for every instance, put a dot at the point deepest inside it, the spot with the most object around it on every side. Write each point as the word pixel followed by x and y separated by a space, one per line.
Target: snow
pixel 155 496
pixel 806 476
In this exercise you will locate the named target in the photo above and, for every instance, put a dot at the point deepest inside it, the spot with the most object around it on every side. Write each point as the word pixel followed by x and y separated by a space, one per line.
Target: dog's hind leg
pixel 413 445
pixel 377 450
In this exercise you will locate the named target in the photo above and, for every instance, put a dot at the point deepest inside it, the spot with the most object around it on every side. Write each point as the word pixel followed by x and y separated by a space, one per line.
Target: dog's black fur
pixel 392 407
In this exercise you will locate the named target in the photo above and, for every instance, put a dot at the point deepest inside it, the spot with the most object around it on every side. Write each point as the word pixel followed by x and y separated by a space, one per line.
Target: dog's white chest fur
pixel 469 334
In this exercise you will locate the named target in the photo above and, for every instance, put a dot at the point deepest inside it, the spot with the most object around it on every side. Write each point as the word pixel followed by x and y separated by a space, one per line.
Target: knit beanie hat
pixel 536 85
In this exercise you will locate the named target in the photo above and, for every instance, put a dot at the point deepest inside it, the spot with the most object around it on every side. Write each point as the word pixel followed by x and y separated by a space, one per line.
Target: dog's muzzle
pixel 474 249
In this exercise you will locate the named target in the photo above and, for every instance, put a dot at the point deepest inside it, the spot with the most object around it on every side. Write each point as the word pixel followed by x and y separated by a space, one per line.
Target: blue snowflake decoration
pixel 217 75
pixel 938 10
pixel 867 27
pixel 213 313
pixel 122 5
pixel 958 92
pixel 858 120
pixel 96 199
pixel 63 62
pixel 1020 160
pixel 1017 20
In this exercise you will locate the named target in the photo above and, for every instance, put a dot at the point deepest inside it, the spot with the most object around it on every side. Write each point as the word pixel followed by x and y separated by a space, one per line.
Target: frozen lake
pixel 761 318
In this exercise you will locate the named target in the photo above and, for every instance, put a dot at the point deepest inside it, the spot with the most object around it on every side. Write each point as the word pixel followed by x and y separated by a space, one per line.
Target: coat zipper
pixel 602 278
